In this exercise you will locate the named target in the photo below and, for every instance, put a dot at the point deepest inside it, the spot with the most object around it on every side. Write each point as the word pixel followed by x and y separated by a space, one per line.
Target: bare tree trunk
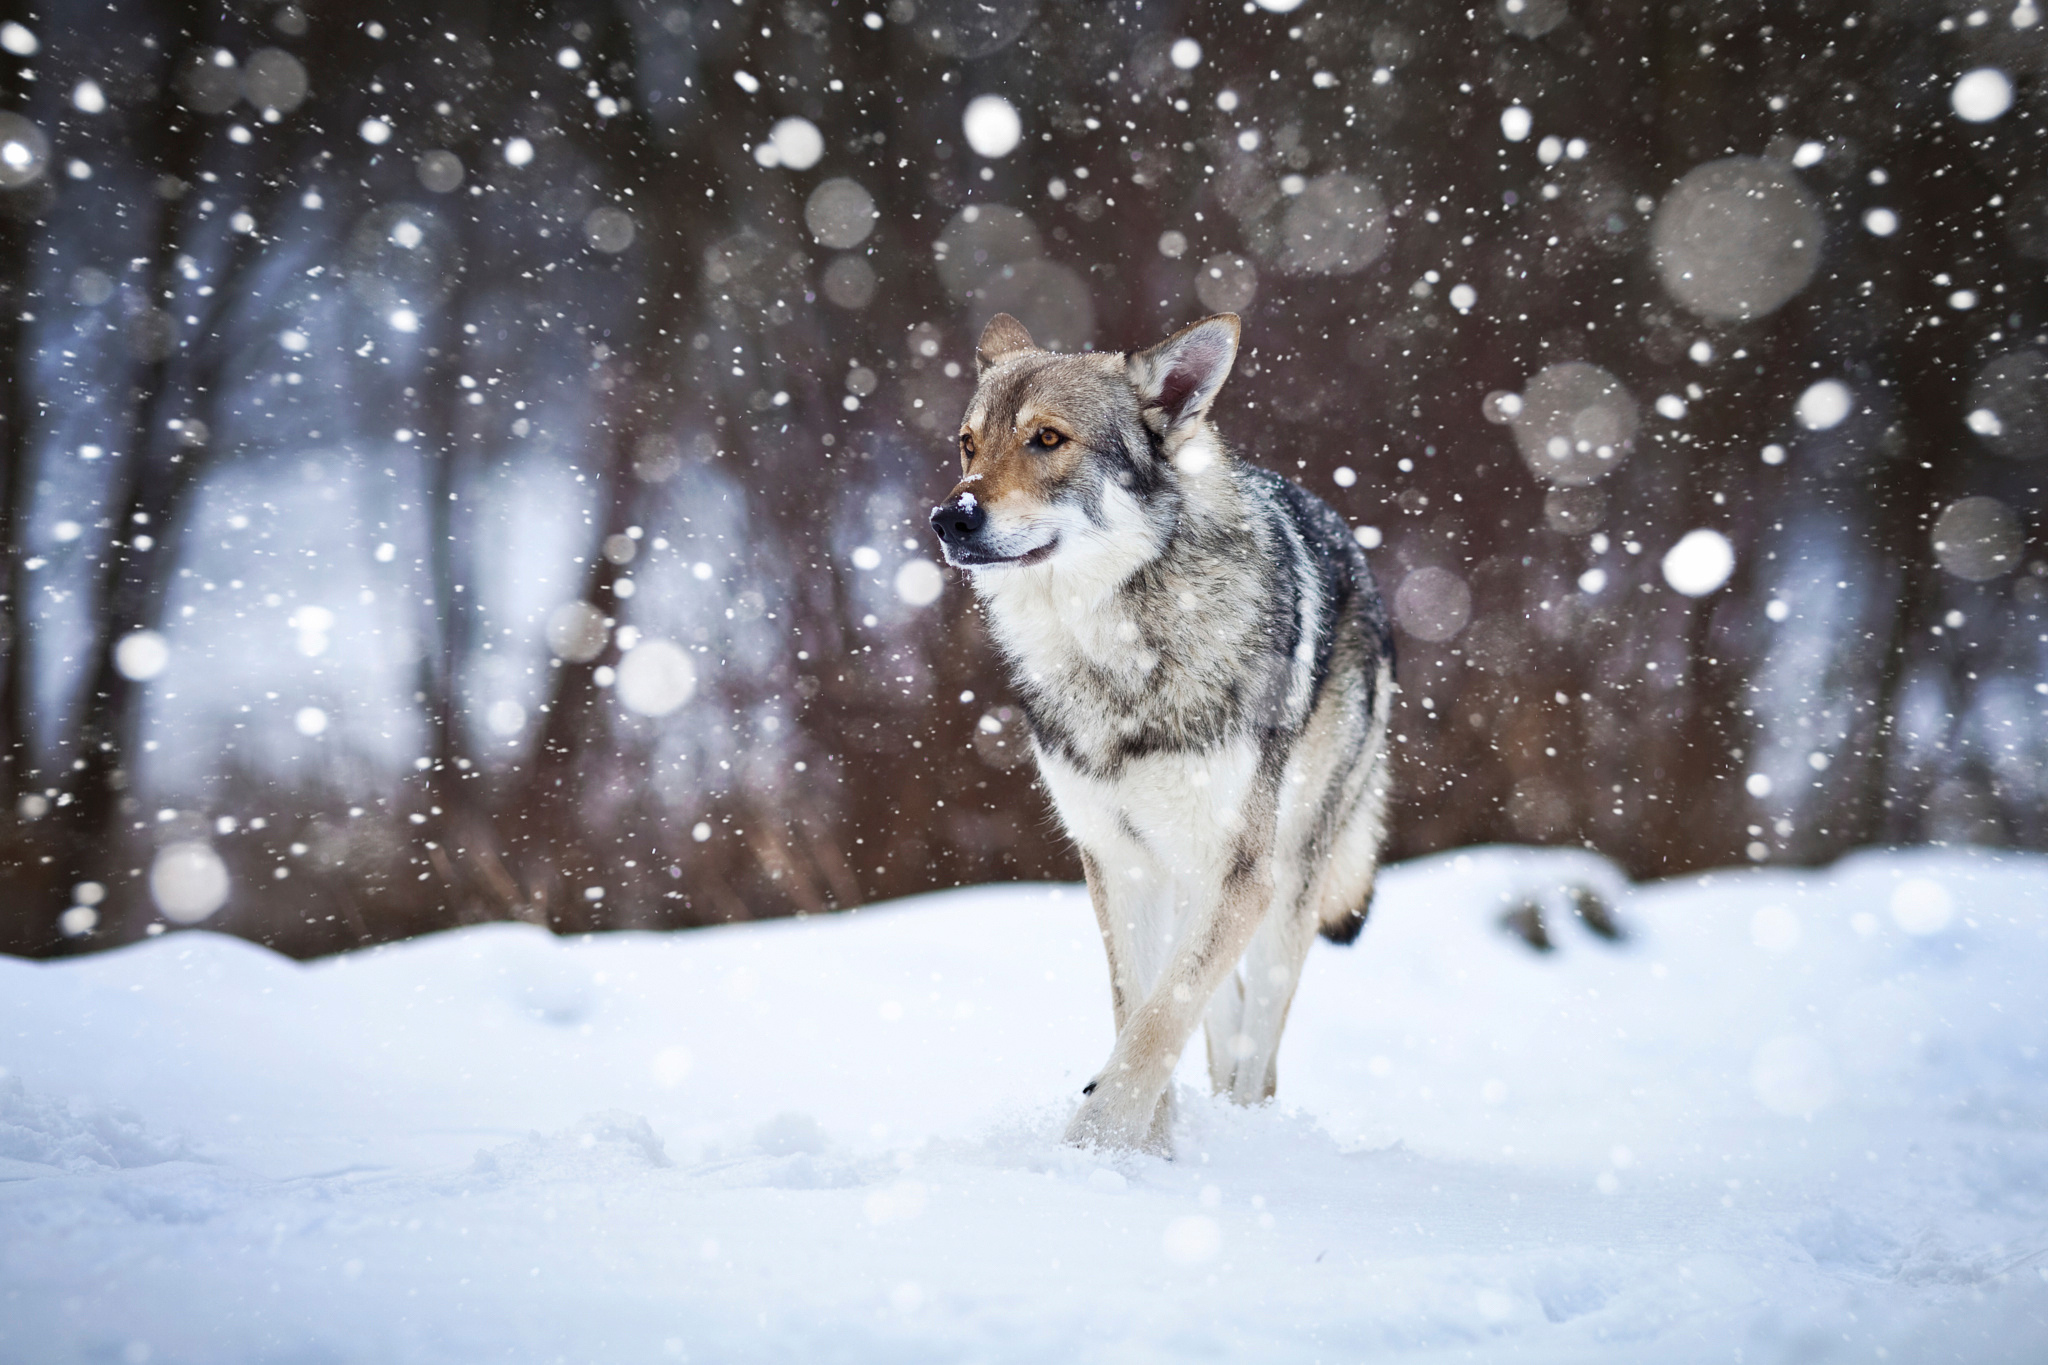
pixel 17 486
pixel 159 471
pixel 544 832
pixel 457 815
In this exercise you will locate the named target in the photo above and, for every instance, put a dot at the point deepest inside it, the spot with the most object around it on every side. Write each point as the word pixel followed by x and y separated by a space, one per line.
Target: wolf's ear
pixel 1177 380
pixel 1003 335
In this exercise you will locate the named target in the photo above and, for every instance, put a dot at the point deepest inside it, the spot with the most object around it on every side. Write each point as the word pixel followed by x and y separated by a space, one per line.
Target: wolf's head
pixel 1079 462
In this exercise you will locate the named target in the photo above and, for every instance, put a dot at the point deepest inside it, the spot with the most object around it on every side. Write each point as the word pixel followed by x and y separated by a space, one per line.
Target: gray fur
pixel 1206 665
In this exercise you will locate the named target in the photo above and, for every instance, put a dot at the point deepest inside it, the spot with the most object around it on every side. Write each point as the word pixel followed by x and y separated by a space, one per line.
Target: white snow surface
pixel 837 1139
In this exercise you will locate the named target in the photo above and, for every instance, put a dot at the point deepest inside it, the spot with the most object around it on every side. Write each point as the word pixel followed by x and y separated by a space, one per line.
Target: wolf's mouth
pixel 1029 557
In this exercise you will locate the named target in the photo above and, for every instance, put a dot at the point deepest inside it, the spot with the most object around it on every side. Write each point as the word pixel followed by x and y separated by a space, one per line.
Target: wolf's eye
pixel 967 444
pixel 1048 438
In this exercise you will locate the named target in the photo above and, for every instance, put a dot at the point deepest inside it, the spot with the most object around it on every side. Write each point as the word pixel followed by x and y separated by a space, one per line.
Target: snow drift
pixel 1789 1116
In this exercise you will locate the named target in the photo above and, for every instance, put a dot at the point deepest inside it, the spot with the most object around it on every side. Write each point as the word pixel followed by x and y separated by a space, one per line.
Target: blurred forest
pixel 469 461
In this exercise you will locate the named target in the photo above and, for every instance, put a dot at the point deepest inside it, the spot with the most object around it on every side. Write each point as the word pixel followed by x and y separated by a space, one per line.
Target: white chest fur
pixel 1161 832
pixel 1051 615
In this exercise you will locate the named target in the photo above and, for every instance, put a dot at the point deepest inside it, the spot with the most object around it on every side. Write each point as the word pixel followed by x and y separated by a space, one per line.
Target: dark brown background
pixel 1541 720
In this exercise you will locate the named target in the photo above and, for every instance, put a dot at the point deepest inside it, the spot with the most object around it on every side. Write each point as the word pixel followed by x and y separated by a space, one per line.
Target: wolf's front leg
pixel 1123 1107
pixel 1133 963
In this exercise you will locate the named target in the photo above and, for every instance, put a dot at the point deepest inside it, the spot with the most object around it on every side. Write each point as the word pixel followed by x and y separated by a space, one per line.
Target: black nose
pixel 957 521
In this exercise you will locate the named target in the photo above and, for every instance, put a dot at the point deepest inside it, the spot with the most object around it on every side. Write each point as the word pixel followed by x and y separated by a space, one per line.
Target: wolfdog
pixel 1206 669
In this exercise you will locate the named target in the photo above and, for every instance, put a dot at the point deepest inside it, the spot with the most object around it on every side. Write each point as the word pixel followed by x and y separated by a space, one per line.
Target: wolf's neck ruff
pixel 1185 651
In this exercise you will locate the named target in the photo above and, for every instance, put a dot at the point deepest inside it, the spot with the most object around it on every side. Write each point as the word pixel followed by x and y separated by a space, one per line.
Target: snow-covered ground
pixel 1773 1125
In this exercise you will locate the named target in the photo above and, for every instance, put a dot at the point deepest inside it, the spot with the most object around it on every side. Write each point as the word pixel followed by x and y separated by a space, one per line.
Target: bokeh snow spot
pixel 656 678
pixel 850 282
pixel 1335 225
pixel 1978 538
pixel 1227 283
pixel 1825 405
pixel 576 632
pixel 840 213
pixel 275 81
pixel 609 229
pixel 188 881
pixel 24 151
pixel 1922 906
pixel 1574 423
pixel 1531 18
pixel 1736 238
pixel 1433 604
pixel 2009 405
pixel 988 256
pixel 141 655
pixel 402 259
pixel 1982 95
pixel 965 28
pixel 793 143
pixel 919 582
pixel 992 126
pixel 1699 563
pixel 439 171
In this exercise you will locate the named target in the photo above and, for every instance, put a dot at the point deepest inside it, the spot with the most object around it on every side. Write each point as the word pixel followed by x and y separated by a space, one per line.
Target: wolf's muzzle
pixel 958 520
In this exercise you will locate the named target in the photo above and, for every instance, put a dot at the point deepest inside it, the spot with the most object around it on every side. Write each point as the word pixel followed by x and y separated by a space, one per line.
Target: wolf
pixel 1206 668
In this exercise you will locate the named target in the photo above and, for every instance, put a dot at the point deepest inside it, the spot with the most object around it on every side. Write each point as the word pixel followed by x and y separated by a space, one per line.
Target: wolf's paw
pixel 1112 1116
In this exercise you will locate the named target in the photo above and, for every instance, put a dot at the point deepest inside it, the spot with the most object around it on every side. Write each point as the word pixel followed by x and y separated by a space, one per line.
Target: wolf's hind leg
pixel 1272 970
pixel 1221 1027
pixel 1160 1138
